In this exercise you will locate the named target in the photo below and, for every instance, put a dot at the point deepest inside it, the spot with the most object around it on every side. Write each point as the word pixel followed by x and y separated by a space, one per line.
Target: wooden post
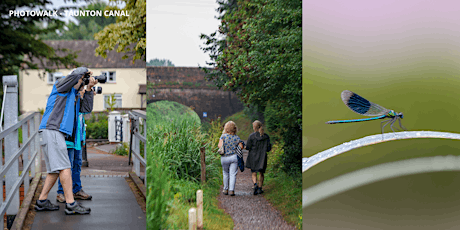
pixel 203 165
pixel 199 208
pixel 192 219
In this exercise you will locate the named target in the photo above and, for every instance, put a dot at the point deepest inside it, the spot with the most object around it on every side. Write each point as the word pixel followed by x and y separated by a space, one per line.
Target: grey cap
pixel 79 71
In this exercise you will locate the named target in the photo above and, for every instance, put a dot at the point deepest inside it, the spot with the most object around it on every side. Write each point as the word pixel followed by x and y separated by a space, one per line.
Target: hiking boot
pixel 259 190
pixel 225 192
pixel 232 193
pixel 76 209
pixel 60 198
pixel 82 195
pixel 256 189
pixel 45 206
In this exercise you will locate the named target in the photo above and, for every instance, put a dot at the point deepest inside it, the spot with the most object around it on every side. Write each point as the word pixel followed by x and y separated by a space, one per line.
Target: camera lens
pixel 101 78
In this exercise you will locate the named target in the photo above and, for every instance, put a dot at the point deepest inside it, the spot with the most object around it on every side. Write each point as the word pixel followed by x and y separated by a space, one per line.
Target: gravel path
pixel 249 211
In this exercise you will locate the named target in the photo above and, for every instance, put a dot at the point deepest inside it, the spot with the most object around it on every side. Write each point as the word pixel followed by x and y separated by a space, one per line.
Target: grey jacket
pixel 62 106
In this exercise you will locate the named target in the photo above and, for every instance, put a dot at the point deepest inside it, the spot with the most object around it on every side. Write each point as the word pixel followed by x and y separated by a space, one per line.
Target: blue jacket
pixel 61 108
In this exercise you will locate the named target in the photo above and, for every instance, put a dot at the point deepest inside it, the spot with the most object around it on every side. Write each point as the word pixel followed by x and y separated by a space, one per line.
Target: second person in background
pixel 258 145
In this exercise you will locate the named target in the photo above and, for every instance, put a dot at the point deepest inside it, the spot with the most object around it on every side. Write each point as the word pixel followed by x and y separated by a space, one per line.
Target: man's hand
pixel 92 82
pixel 80 81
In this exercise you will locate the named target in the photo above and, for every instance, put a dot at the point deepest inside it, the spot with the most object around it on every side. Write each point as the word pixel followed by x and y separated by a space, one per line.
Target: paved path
pixel 249 211
pixel 113 206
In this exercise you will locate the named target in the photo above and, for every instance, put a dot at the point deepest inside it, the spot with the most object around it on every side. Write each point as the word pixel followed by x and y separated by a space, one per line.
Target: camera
pixel 97 89
pixel 100 79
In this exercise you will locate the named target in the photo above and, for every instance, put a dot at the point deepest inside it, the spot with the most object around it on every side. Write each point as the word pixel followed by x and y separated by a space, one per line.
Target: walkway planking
pixel 113 206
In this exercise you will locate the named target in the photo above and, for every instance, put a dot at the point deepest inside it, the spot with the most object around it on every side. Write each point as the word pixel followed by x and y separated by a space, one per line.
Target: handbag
pixel 221 150
pixel 239 155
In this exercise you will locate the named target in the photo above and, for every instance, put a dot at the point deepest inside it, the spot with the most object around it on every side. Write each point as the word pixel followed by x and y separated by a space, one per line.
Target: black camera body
pixel 97 89
pixel 100 79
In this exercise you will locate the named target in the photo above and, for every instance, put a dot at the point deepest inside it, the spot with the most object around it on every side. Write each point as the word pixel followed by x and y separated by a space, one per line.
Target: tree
pixel 86 27
pixel 260 58
pixel 159 62
pixel 126 32
pixel 20 42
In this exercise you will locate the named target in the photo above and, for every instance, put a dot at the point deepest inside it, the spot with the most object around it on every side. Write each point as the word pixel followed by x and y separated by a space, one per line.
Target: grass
pixel 174 138
pixel 243 123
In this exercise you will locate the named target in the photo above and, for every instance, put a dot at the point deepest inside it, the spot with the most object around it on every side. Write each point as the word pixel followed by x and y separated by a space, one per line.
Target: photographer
pixel 74 147
pixel 57 125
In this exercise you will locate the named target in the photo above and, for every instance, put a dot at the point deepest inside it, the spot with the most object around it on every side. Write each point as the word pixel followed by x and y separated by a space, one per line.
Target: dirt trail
pixel 249 211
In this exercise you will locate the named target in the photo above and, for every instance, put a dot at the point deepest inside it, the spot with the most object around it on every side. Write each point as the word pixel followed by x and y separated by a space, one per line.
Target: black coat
pixel 258 146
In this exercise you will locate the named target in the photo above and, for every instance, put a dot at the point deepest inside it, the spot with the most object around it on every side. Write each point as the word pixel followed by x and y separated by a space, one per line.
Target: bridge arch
pixel 188 86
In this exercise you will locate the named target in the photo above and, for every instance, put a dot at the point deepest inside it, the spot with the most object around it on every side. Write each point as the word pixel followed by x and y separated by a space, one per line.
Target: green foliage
pixel 121 150
pixel 159 62
pixel 243 123
pixel 111 102
pixel 125 32
pixel 97 127
pixel 174 140
pixel 261 60
pixel 86 27
pixel 162 112
pixel 21 41
pixel 159 193
pixel 284 192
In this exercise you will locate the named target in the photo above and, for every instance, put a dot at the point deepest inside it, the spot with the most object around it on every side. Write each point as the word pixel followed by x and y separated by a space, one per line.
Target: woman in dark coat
pixel 258 145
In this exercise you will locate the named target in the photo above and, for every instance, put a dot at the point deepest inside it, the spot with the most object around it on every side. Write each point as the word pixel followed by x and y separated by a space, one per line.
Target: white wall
pixel 34 92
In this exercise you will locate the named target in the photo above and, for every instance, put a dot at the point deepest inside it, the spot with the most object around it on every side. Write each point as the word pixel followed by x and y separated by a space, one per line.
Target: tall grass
pixel 174 170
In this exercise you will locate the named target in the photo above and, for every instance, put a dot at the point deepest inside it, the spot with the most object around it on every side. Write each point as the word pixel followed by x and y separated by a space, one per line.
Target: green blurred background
pixel 404 57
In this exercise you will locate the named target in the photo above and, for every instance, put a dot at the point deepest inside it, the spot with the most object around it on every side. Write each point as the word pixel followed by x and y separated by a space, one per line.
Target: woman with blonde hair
pixel 229 140
pixel 258 145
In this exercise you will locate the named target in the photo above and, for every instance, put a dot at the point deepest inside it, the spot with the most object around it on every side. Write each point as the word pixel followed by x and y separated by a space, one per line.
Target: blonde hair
pixel 230 128
pixel 259 126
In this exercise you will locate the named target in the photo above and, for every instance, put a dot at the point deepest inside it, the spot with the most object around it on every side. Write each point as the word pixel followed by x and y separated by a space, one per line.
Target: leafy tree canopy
pixel 159 62
pixel 257 52
pixel 86 27
pixel 261 55
pixel 127 34
pixel 20 37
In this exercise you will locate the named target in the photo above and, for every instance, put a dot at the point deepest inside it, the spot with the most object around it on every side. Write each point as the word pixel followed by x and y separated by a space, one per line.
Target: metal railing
pixel 138 133
pixel 29 150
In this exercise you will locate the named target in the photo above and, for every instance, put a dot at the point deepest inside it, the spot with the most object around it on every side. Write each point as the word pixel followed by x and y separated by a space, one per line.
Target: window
pixel 108 101
pixel 111 76
pixel 53 77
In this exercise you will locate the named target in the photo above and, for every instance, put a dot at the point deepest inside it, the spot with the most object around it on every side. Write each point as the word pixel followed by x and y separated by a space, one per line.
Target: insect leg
pixel 382 127
pixel 400 125
pixel 392 123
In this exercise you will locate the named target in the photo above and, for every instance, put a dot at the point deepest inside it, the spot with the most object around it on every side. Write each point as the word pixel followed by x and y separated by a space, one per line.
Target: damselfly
pixel 364 107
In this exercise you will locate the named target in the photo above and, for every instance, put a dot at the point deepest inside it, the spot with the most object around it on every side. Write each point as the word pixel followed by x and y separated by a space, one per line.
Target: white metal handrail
pixel 29 150
pixel 137 137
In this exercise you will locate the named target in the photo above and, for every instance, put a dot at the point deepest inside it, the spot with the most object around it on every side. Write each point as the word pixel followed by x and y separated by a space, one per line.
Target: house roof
pixel 87 56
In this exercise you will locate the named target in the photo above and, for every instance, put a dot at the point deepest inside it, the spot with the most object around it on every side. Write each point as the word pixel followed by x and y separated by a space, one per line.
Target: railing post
pixel 145 149
pixel 33 147
pixel 199 208
pixel 112 132
pixel 136 148
pixel 38 158
pixel 11 144
pixel 25 155
pixel 126 128
pixel 203 164
pixel 192 219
